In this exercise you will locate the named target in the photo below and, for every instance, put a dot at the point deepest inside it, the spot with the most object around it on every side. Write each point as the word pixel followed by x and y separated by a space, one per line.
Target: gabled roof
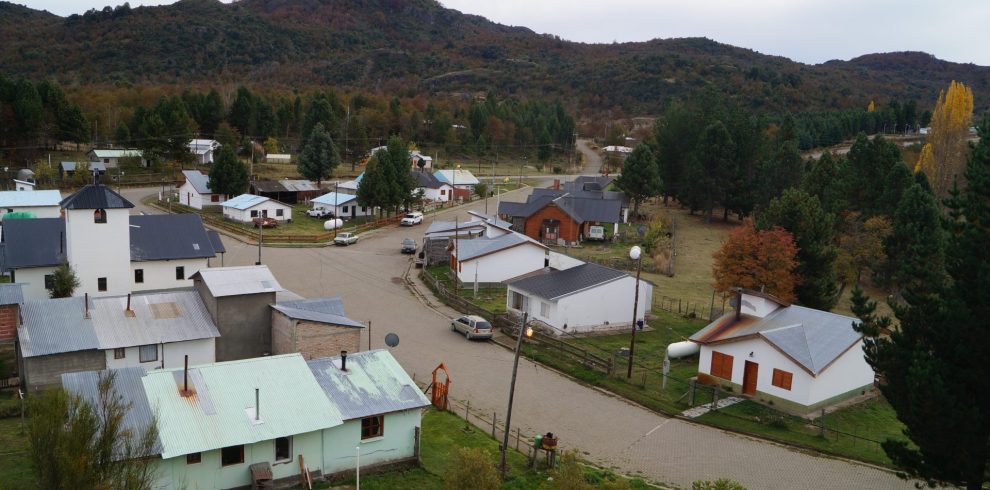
pixel 552 284
pixel 200 147
pixel 478 247
pixel 457 177
pixel 198 180
pixel 334 199
pixel 323 310
pixel 117 153
pixel 221 413
pixel 578 208
pixel 427 180
pixel 216 241
pixel 169 237
pixel 36 242
pixel 232 281
pixel 71 166
pixel 96 196
pixel 350 185
pixel 23 199
pixel 297 185
pixel 373 384
pixel 248 201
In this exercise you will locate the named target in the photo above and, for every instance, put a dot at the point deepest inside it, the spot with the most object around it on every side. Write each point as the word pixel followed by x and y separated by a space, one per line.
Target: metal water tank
pixel 682 349
pixel 333 224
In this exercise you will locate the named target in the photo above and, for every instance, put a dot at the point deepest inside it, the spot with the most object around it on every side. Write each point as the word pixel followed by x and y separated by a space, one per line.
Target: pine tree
pixel 320 111
pixel 823 181
pixel 640 177
pixel 916 247
pixel 319 156
pixel 228 175
pixel 374 190
pixel 711 171
pixel 64 281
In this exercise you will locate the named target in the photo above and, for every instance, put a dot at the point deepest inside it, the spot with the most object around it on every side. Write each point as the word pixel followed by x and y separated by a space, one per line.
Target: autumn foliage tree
pixel 861 247
pixel 758 259
pixel 943 158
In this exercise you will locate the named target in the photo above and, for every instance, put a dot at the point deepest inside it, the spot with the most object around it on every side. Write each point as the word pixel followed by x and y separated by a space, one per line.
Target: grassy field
pixel 15 464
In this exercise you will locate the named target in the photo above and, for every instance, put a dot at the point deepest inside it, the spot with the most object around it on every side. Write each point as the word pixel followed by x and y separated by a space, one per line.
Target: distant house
pixel 433 188
pixel 203 150
pixel 562 219
pixel 195 191
pixel 147 330
pixel 416 157
pixel 798 358
pixel 278 158
pixel 68 169
pixel 314 328
pixel 287 190
pixel 493 260
pixel 40 204
pixel 246 207
pixel 344 206
pixel 24 185
pixel 238 299
pixel 112 157
pixel 584 298
pixel 348 187
pixel 461 179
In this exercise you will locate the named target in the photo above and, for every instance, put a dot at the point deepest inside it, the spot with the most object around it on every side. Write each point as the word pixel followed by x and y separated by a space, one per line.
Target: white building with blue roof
pixel 246 207
pixel 40 204
pixel 343 206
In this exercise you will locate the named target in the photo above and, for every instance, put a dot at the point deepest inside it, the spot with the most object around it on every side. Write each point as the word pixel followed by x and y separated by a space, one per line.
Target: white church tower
pixel 98 239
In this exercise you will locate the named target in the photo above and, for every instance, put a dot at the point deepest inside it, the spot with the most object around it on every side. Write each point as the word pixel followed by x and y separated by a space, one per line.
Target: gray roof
pixel 812 338
pixel 450 226
pixel 373 384
pixel 198 180
pixel 323 310
pixel 552 284
pixel 71 166
pixel 53 326
pixel 24 199
pixel 296 185
pixel 96 196
pixel 169 237
pixel 11 294
pixel 427 180
pixel 260 186
pixel 216 241
pixel 127 385
pixel 469 249
pixel 583 209
pixel 581 206
pixel 232 281
pixel 37 242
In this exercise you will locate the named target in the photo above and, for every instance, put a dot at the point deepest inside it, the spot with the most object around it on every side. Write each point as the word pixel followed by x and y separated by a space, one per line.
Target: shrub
pixel 773 419
pixel 472 469
pixel 720 484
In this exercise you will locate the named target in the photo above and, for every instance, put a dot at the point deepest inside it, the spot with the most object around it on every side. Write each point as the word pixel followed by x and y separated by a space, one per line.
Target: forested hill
pixel 409 47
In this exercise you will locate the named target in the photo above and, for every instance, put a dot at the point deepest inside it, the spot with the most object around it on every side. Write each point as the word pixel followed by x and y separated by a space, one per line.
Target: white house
pixel 348 187
pixel 433 189
pixel 585 298
pixel 246 207
pixel 459 178
pixel 799 358
pixel 41 204
pixel 24 185
pixel 97 238
pixel 203 150
pixel 111 157
pixel 195 191
pixel 493 260
pixel 478 226
pixel 342 206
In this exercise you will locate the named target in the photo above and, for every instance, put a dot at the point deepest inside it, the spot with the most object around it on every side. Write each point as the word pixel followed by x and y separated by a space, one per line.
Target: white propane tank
pixel 333 224
pixel 682 349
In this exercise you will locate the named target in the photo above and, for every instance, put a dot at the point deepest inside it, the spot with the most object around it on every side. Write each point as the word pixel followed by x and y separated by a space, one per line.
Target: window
pixel 231 455
pixel 10 210
pixel 345 210
pixel 106 160
pixel 138 276
pixel 194 458
pixel 119 353
pixel 721 366
pixel 782 379
pixel 49 281
pixel 372 426
pixel 283 449
pixel 100 216
pixel 180 273
pixel 544 309
pixel 518 301
pixel 101 284
pixel 279 212
pixel 215 198
pixel 148 353
pixel 254 213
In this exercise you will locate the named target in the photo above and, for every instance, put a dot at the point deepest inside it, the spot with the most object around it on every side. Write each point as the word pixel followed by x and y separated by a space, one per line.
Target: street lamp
pixel 526 330
pixel 636 254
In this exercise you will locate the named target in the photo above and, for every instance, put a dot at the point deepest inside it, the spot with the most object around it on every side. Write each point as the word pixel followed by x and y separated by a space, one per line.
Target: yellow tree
pixel 944 156
pixel 872 107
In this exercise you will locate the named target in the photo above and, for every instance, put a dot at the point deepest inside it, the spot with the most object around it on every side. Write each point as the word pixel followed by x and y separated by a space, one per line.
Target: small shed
pixel 288 191
pixel 278 158
pixel 68 169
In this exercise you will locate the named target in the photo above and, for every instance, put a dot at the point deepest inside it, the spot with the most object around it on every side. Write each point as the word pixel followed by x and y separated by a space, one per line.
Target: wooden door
pixel 749 378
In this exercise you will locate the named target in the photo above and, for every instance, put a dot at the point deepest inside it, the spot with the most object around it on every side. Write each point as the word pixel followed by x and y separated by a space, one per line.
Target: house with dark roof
pixel 580 299
pixel 314 328
pixel 195 191
pixel 800 359
pixel 558 217
pixel 433 189
pixel 496 259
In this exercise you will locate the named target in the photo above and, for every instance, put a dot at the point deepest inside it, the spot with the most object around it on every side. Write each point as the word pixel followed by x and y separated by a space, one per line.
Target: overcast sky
pixel 811 31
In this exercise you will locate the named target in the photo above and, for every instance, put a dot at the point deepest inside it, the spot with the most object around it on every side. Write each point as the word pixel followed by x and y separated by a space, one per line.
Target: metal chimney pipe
pixel 128 301
pixel 257 405
pixel 86 301
pixel 185 376
pixel 343 360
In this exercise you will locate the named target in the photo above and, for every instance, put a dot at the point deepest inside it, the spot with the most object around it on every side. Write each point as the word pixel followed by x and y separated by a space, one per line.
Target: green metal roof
pixel 220 412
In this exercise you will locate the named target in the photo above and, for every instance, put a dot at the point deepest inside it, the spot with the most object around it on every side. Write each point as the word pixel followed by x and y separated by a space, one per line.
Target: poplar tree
pixel 943 157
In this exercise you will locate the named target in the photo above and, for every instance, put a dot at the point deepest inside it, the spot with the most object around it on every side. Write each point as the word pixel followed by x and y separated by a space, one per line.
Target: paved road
pixel 610 431
pixel 592 160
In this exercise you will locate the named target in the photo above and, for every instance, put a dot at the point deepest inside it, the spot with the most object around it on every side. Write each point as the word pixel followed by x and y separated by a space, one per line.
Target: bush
pixel 773 419
pixel 557 169
pixel 10 407
pixel 720 484
pixel 472 469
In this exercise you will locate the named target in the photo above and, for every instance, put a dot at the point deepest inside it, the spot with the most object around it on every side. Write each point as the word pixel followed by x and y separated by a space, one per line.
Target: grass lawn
pixel 15 464
pixel 8 360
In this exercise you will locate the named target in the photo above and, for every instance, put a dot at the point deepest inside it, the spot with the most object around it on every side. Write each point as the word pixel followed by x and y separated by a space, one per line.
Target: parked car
pixel 413 218
pixel 345 238
pixel 265 223
pixel 319 213
pixel 472 326
pixel 408 246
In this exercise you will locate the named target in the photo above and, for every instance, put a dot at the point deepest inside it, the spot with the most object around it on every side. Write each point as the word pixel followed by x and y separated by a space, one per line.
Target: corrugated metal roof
pixel 426 180
pixel 295 185
pixel 97 166
pixel 244 201
pixel 457 177
pixel 334 199
pixel 52 326
pixel 198 180
pixel 221 412
pixel 374 383
pixel 553 284
pixel 216 241
pixel 11 294
pixel 14 199
pixel 96 196
pixel 129 387
pixel 36 242
pixel 169 237
pixel 231 281
pixel 451 226
pixel 323 310
pixel 118 153
pixel 469 249
pixel 268 186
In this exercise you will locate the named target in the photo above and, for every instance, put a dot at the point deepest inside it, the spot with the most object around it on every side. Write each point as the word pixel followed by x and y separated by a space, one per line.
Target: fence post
pixel 691 383
pixel 715 396
pixel 494 418
pixel 518 432
pixel 467 414
pixel 822 424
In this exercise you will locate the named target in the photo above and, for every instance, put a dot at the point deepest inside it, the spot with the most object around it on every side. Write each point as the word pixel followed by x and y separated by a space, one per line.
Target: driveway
pixel 610 431
pixel 592 160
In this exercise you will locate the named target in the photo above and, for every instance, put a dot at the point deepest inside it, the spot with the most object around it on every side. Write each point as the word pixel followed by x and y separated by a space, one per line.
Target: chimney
pixel 185 376
pixel 257 405
pixel 738 304
pixel 343 360
pixel 556 183
pixel 86 302
pixel 129 312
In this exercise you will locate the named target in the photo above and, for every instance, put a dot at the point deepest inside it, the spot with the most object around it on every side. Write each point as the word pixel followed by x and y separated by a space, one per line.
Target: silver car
pixel 472 326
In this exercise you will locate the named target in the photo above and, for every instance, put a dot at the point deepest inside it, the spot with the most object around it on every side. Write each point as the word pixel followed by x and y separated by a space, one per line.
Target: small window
pixel 544 309
pixel 232 455
pixel 49 281
pixel 106 160
pixel 254 213
pixel 101 284
pixel 119 353
pixel 100 216
pixel 180 273
pixel 10 210
pixel 148 353
pixel 139 276
pixel 279 212
pixel 194 458
pixel 782 379
pixel 215 198
pixel 372 427
pixel 345 209
pixel 721 365
pixel 283 449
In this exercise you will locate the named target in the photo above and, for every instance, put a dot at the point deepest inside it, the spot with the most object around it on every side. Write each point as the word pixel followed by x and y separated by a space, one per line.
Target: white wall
pixel 38 211
pixel 563 262
pixel 189 197
pixel 33 281
pixel 847 373
pixel 506 264
pixel 397 442
pixel 757 306
pixel 589 310
pixel 160 274
pixel 434 194
pixel 99 250
pixel 270 206
pixel 200 351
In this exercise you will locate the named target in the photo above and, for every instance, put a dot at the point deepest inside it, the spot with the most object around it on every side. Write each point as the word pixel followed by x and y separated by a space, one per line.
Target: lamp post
pixel 636 254
pixel 528 332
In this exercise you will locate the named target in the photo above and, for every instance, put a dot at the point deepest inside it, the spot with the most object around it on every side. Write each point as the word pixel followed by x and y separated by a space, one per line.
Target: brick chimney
pixel 9 318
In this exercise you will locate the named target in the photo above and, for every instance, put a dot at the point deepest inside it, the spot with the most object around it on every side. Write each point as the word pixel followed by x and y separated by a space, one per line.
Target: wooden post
pixel 715 397
pixel 518 435
pixel 821 424
pixel 467 413
pixel 494 418
pixel 691 384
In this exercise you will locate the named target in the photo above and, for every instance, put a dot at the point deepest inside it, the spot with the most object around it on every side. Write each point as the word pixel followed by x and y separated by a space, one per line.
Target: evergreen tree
pixel 782 170
pixel 869 162
pixel 211 113
pixel 320 111
pixel 374 189
pixel 242 111
pixel 675 136
pixel 228 175
pixel 64 282
pixel 319 156
pixel 916 248
pixel 801 214
pixel 895 184
pixel 712 169
pixel 395 168
pixel 640 177
pixel 544 150
pixel 122 135
pixel 823 182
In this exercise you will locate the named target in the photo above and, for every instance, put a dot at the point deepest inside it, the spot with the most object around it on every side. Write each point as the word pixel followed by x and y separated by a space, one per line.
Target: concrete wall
pixel 9 319
pixel 160 274
pixel 245 326
pixel 38 373
pixel 441 194
pixel 32 282
pixel 850 372
pixel 397 443
pixel 100 250
pixel 200 351
pixel 502 265
pixel 38 211
pixel 269 206
pixel 312 339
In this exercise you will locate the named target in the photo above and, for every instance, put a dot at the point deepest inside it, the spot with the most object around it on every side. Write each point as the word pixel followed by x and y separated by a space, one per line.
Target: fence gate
pixel 440 388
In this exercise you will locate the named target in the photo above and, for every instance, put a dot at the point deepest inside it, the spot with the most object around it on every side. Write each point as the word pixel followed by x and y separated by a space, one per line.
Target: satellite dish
pixel 391 340
pixel 641 230
pixel 732 302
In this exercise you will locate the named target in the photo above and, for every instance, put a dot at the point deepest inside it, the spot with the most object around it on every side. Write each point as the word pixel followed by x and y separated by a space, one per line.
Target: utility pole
pixel 261 238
